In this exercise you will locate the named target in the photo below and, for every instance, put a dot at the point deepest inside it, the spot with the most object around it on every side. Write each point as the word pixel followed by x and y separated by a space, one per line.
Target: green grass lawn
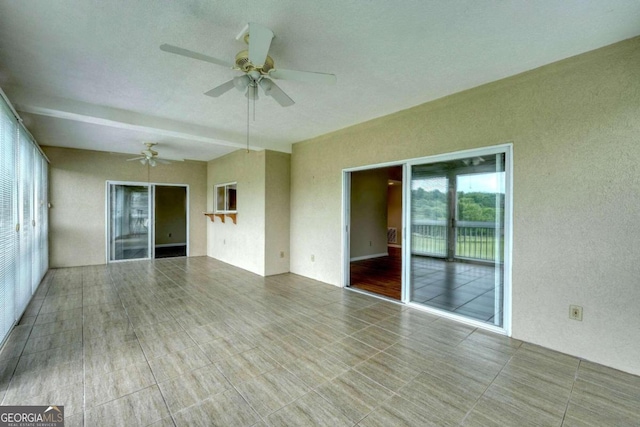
pixel 467 247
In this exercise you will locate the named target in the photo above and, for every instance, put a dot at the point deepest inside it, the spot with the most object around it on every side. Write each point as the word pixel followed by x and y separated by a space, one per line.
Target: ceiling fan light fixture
pixel 143 161
pixel 152 162
pixel 242 82
pixel 266 86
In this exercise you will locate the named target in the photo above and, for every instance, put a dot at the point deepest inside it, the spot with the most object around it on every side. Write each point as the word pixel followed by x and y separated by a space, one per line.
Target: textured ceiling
pixel 90 74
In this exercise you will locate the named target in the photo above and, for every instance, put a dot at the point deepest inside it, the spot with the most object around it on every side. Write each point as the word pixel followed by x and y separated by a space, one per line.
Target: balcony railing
pixel 429 238
pixel 474 240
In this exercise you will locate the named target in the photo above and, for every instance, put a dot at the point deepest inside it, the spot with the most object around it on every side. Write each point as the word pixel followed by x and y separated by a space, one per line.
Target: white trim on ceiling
pixel 64 108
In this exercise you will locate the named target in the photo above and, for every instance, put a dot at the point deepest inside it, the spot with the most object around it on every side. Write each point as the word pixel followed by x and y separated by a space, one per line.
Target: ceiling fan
pixel 257 66
pixel 150 156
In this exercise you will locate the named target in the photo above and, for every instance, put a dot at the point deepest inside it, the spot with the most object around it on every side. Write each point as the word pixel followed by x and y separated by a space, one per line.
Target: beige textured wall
pixel 575 127
pixel 278 209
pixel 240 244
pixel 77 193
pixel 368 236
pixel 262 229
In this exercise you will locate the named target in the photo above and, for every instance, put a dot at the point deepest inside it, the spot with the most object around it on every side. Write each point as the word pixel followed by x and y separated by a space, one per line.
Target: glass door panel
pixel 479 214
pixel 429 213
pixel 457 236
pixel 129 222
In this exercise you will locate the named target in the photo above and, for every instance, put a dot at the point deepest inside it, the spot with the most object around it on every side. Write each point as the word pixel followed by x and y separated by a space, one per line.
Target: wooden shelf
pixel 222 216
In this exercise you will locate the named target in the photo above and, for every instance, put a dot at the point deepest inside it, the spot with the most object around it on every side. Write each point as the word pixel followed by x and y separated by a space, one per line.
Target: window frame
pixel 227 198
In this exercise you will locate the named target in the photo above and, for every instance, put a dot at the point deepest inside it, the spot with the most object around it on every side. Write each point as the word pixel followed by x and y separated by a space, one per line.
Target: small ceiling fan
pixel 150 156
pixel 257 66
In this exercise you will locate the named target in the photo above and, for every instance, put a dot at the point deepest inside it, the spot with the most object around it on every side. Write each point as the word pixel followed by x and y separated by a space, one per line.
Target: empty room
pixel 278 213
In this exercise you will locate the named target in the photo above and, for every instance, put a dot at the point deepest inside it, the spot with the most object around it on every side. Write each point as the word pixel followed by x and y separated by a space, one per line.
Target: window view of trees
pixel 476 206
pixel 429 205
pixel 430 211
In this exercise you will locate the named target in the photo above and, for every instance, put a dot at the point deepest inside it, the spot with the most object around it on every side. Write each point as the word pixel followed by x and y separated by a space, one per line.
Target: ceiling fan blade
pixel 169 160
pixel 273 90
pixel 195 55
pixel 259 42
pixel 223 88
pixel 162 161
pixel 303 76
pixel 136 158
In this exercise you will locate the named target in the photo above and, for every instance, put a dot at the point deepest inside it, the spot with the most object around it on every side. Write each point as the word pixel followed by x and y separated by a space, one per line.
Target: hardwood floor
pixel 382 276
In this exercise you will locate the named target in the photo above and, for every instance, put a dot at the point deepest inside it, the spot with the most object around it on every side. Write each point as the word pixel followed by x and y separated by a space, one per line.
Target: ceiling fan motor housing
pixel 243 63
pixel 149 152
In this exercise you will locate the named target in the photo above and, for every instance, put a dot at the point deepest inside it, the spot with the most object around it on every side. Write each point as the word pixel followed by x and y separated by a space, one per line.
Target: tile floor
pixel 193 341
pixel 460 287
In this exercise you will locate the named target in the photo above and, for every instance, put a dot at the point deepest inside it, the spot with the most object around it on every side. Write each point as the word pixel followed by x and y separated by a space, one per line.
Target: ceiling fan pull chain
pixel 248 124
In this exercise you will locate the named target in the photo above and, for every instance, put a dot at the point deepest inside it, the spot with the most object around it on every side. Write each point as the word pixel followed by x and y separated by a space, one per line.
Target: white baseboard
pixel 360 258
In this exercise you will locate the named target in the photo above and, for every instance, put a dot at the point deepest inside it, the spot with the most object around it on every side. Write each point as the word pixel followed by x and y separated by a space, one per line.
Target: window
pixel 8 219
pixel 225 198
pixel 23 217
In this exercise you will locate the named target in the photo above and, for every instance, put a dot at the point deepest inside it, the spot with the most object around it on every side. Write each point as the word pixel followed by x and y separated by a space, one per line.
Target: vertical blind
pixel 23 218
pixel 8 218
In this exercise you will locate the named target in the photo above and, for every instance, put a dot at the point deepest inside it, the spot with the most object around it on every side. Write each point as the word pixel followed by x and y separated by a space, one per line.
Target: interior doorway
pixel 146 221
pixel 170 221
pixel 375 259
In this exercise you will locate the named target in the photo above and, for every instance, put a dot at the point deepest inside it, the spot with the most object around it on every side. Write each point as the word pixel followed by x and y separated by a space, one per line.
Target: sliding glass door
pixel 23 218
pixel 130 227
pixel 147 220
pixel 457 223
pixel 455 234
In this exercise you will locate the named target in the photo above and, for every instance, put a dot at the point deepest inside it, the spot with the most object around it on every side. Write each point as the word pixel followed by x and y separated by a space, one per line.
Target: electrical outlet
pixel 224 241
pixel 575 312
pixel 370 243
pixel 281 254
pixel 313 258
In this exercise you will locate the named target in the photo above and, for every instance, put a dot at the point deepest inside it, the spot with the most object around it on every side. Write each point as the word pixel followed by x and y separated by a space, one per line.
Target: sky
pixel 492 182
pixel 482 183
